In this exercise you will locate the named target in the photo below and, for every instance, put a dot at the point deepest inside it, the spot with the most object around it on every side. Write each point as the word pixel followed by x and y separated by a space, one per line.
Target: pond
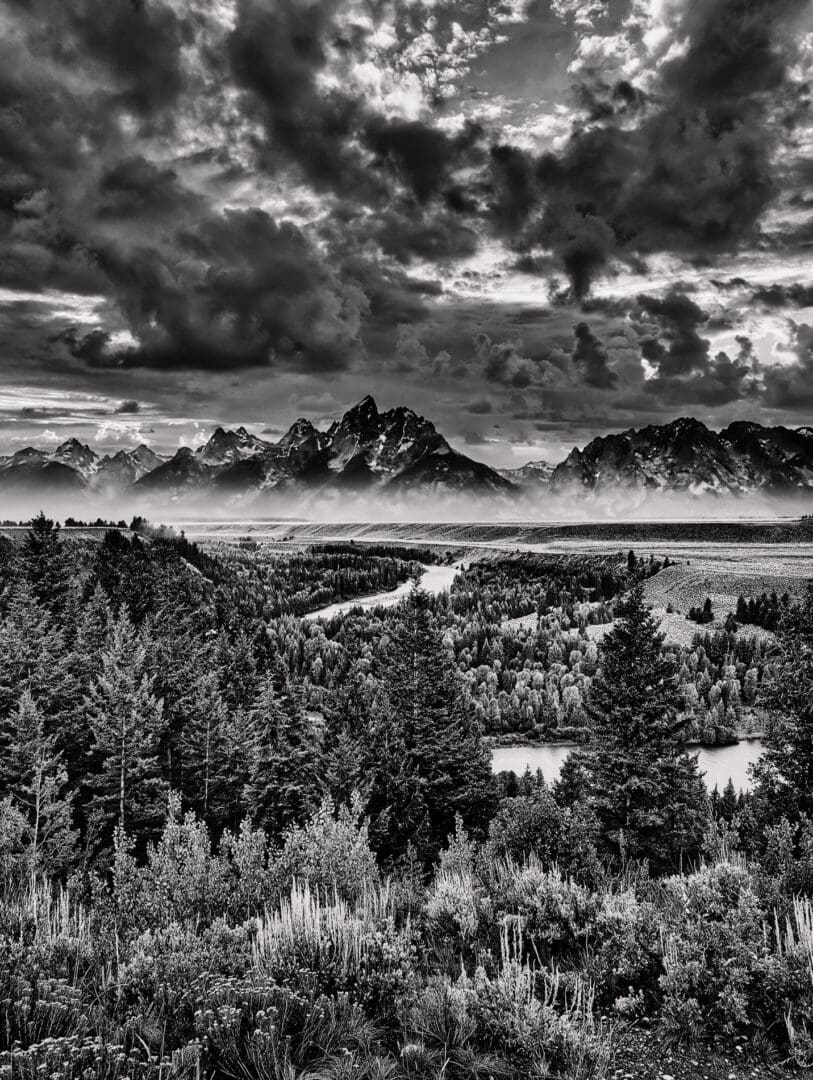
pixel 717 762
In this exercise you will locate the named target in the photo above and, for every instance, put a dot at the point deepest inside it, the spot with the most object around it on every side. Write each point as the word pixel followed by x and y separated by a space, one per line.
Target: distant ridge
pixel 365 451
pixel 400 452
pixel 686 456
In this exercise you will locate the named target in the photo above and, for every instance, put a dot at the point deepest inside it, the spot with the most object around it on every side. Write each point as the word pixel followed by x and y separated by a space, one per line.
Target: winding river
pixel 434 579
pixel 719 763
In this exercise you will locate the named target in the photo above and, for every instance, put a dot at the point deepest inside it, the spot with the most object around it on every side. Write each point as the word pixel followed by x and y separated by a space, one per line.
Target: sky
pixel 533 221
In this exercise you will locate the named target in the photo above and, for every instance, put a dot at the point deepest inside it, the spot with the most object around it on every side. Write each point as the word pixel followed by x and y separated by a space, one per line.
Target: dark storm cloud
pixel 671 340
pixel 407 232
pixel 601 100
pixel 791 386
pixel 781 296
pixel 590 357
pixel 235 289
pixel 691 172
pixel 421 156
pixel 674 344
pixel 506 363
pixel 277 51
pixel 134 187
pixel 196 285
pixel 722 382
pixel 129 408
pixel 130 133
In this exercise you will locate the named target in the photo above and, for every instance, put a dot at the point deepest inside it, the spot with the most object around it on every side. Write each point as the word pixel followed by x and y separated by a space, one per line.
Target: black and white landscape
pixel 406 539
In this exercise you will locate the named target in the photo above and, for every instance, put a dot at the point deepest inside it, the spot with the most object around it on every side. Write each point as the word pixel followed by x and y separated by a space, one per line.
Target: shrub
pixel 183 881
pixel 516 1022
pixel 555 914
pixel 622 955
pixel 785 994
pixel 331 852
pixel 453 906
pixel 536 825
pixel 167 970
pixel 251 1030
pixel 75 1057
pixel 713 952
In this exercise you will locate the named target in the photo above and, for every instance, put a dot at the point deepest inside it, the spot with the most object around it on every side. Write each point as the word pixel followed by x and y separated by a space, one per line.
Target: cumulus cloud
pixel 591 358
pixel 682 160
pixel 132 127
pixel 305 188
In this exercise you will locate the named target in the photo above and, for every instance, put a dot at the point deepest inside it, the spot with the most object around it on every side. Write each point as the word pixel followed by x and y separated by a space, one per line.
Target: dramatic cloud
pixel 572 208
pixel 686 164
pixel 590 356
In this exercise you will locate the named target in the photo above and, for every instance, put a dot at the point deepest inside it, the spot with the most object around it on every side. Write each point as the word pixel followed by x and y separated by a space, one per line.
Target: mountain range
pixel 397 451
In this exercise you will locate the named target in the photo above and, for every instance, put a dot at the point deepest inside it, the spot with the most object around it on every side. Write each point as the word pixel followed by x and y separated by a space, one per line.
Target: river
pixel 434 579
pixel 717 762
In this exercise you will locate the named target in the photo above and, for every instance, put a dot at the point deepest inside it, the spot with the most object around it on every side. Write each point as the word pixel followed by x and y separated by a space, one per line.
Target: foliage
pixel 643 786
pixel 234 843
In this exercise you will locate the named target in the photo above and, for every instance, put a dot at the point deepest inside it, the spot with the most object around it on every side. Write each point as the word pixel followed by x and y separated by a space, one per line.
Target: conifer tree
pixel 92 630
pixel 783 777
pixel 643 785
pixel 431 716
pixel 727 807
pixel 33 655
pixel 33 777
pixel 346 740
pixel 126 721
pixel 283 781
pixel 207 755
pixel 44 562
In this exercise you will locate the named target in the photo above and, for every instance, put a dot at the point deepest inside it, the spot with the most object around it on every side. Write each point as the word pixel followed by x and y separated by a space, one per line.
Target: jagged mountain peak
pixel 533 474
pixel 300 431
pixel 77 456
pixel 227 446
pixel 367 449
pixel 363 415
pixel 73 444
pixel 687 456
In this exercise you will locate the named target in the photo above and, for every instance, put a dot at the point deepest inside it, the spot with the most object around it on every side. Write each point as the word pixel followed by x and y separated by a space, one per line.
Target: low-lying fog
pixel 387 506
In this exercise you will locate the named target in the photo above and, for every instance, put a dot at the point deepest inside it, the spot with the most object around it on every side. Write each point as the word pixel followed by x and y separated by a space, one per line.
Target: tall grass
pixel 48 915
pixel 797 939
pixel 308 928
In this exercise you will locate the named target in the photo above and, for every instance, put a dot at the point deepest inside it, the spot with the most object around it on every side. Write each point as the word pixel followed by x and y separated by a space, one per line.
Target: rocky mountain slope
pixel 531 476
pixel 686 456
pixel 366 450
pixel 397 451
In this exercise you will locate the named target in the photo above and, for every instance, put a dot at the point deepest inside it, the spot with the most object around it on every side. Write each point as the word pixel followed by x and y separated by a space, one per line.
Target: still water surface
pixel 717 762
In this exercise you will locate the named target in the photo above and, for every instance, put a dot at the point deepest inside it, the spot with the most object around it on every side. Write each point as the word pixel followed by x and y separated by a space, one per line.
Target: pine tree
pixel 33 777
pixel 283 782
pixel 346 740
pixel 644 786
pixel 126 721
pixel 430 715
pixel 33 656
pixel 206 755
pixel 44 563
pixel 728 802
pixel 783 777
